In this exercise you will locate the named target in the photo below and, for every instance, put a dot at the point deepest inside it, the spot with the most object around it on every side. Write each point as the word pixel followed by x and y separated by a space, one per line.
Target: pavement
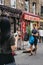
pixel 25 59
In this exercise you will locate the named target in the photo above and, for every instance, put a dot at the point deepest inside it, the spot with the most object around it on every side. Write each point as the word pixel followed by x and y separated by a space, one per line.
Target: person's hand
pixel 13 48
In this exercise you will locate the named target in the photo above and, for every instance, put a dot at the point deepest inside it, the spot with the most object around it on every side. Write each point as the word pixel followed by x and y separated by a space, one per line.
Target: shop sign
pixel 30 17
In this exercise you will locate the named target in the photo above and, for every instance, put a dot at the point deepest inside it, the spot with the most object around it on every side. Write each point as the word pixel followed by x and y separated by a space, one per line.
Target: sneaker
pixel 31 54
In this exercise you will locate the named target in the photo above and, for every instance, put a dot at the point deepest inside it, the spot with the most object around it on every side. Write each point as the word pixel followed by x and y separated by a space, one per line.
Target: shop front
pixel 28 19
pixel 13 15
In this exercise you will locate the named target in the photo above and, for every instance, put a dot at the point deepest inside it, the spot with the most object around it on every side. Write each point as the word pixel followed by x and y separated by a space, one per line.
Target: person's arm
pixel 13 47
pixel 35 34
pixel 32 32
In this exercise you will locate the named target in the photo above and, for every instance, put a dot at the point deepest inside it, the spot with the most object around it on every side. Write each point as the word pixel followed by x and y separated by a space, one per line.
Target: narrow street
pixel 25 59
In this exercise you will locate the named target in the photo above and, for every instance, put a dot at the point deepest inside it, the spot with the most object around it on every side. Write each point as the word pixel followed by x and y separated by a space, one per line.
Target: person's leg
pixel 35 48
pixel 31 47
pixel 35 44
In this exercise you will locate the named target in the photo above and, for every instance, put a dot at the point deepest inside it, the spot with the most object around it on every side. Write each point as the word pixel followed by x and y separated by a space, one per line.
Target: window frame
pixel 27 9
pixel 2 2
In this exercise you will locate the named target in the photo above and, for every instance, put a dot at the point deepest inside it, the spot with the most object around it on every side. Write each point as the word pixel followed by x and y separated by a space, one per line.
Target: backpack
pixel 26 37
pixel 31 39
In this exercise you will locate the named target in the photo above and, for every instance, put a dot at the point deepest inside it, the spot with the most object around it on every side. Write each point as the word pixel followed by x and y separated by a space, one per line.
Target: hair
pixel 5 25
pixel 34 25
pixel 5 28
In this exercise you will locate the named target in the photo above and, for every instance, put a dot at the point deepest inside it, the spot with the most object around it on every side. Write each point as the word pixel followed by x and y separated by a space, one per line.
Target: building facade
pixel 30 6
pixel 33 6
pixel 5 2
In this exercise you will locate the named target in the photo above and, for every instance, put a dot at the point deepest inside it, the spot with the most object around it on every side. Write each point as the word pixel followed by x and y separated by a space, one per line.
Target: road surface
pixel 25 59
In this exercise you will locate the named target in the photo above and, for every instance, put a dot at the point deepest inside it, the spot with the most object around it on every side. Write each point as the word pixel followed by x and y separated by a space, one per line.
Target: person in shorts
pixel 35 35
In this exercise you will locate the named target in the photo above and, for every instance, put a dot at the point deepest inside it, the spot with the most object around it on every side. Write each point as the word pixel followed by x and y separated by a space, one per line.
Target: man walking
pixel 35 35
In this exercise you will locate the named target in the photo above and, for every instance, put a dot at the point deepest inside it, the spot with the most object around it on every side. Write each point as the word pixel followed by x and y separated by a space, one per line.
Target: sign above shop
pixel 31 17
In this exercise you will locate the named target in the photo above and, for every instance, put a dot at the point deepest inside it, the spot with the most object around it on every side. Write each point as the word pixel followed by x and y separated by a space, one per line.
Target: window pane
pixel 13 3
pixel 41 10
pixel 33 7
pixel 0 1
pixel 27 6
pixel 3 2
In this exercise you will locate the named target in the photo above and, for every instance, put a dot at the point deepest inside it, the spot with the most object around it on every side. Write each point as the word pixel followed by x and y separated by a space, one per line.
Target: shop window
pixel 27 5
pixel 42 10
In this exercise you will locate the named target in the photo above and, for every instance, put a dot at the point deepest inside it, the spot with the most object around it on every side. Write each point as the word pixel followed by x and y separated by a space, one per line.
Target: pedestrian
pixel 16 38
pixel 7 42
pixel 35 35
pixel 19 39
